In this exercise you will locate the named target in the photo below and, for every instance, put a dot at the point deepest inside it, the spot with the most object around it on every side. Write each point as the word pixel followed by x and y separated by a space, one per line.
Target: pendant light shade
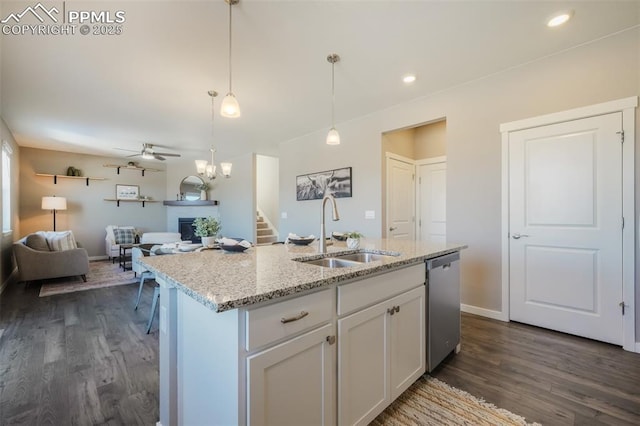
pixel 333 137
pixel 230 107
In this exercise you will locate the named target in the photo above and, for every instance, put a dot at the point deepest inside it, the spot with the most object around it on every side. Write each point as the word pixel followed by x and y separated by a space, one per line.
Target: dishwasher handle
pixel 443 260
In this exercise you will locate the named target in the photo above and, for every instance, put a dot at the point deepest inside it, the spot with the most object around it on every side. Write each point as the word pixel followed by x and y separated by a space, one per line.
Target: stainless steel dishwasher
pixel 443 308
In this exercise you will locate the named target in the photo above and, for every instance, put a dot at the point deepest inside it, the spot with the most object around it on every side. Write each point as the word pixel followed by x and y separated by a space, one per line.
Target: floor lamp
pixel 54 203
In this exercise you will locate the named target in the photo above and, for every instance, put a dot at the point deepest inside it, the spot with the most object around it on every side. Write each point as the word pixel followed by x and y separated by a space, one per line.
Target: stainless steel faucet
pixel 322 247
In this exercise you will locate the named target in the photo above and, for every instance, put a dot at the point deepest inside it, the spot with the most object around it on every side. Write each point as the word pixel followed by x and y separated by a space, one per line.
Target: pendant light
pixel 333 137
pixel 230 107
pixel 203 168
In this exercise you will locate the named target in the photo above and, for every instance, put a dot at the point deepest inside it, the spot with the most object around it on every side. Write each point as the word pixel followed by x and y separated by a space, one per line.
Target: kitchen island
pixel 262 337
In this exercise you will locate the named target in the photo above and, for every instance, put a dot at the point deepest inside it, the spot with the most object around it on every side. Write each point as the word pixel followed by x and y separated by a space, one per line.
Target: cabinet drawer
pixel 282 319
pixel 360 294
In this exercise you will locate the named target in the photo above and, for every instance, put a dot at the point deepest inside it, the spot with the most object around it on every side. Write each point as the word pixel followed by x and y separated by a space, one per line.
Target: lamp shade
pixel 230 107
pixel 201 166
pixel 333 137
pixel 54 203
pixel 226 169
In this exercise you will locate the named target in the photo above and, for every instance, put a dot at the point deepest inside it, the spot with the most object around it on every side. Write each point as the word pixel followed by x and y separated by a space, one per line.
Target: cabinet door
pixel 363 365
pixel 293 383
pixel 408 334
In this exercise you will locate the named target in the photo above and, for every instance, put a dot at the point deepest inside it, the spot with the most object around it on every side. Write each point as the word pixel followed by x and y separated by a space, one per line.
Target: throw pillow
pixel 124 236
pixel 36 242
pixel 60 241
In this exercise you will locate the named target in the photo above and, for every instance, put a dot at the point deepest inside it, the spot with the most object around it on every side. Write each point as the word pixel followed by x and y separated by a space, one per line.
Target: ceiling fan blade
pixel 158 157
pixel 134 155
pixel 124 149
pixel 167 154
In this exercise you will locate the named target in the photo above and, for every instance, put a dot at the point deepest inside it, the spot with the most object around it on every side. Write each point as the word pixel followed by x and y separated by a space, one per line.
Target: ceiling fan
pixel 149 153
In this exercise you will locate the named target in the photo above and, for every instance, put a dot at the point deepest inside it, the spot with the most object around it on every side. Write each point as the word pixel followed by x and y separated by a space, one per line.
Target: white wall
pixel 601 71
pixel 267 186
pixel 237 197
pixel 359 149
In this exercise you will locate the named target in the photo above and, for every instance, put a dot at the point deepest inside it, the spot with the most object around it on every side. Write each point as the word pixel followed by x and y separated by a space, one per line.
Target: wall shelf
pixel 127 167
pixel 191 203
pixel 131 201
pixel 56 177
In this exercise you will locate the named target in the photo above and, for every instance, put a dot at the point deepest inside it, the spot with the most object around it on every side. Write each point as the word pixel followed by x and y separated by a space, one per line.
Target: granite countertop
pixel 224 281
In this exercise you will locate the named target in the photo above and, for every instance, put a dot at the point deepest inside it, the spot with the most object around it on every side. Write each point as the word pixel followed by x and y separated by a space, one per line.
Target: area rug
pixel 432 402
pixel 101 274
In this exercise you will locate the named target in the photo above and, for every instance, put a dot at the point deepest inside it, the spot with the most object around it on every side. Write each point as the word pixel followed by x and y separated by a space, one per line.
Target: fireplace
pixel 186 229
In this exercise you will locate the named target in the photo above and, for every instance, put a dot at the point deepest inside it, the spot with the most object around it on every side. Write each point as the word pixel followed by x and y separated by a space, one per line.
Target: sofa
pixel 46 255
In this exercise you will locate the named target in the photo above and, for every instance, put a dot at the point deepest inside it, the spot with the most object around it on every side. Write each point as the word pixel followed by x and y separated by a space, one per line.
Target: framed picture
pixel 127 192
pixel 314 186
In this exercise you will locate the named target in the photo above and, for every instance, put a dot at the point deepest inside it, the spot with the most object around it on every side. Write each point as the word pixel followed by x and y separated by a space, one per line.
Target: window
pixel 6 187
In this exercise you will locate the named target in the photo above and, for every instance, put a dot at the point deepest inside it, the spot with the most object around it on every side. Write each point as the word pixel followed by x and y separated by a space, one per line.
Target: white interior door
pixel 400 199
pixel 432 195
pixel 565 227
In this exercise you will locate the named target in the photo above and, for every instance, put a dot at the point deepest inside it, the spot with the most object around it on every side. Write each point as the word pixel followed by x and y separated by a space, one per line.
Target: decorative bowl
pixel 302 241
pixel 339 236
pixel 234 248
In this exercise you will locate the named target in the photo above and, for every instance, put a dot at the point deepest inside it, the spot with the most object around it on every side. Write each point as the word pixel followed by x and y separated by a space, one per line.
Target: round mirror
pixel 189 188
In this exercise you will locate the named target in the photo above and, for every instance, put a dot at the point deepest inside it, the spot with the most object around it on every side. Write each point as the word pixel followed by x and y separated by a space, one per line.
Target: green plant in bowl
pixel 207 228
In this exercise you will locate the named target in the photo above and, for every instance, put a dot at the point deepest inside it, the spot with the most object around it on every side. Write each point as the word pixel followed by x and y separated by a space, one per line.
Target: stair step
pixel 264 232
pixel 259 219
pixel 262 225
pixel 266 239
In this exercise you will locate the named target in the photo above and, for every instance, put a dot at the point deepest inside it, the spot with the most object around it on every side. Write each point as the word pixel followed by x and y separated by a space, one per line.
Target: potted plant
pixel 353 239
pixel 203 188
pixel 207 229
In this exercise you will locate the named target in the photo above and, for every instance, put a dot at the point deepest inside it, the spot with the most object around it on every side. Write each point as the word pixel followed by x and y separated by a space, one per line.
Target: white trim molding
pixel 627 107
pixel 488 313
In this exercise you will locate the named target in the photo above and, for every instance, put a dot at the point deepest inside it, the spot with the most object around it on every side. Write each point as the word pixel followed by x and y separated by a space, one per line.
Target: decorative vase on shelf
pixel 353 243
pixel 203 195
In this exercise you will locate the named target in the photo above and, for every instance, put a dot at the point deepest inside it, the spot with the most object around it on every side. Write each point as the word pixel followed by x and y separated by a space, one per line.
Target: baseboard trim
pixel 92 258
pixel 637 348
pixel 488 313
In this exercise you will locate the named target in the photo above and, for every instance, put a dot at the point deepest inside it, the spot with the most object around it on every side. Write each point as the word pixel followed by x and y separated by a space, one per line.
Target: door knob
pixel 393 228
pixel 517 236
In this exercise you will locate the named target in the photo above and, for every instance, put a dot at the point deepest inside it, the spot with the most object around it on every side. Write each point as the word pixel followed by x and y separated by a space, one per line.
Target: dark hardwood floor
pixel 77 359
pixel 84 359
pixel 545 376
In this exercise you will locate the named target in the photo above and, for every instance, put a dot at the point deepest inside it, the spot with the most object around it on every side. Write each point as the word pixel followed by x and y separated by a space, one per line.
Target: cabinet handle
pixel 331 339
pixel 397 309
pixel 301 315
pixel 391 310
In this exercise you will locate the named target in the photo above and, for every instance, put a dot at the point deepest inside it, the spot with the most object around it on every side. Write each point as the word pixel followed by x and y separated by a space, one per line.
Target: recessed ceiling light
pixel 409 78
pixel 559 18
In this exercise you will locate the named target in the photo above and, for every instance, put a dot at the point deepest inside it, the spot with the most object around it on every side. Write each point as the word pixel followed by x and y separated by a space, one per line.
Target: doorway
pixel 566 240
pixel 414 182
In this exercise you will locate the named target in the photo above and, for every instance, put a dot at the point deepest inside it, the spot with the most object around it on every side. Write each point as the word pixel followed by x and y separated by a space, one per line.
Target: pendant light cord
pixel 333 95
pixel 230 21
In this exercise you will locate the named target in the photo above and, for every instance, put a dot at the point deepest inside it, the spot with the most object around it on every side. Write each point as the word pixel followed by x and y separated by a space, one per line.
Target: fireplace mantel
pixel 191 203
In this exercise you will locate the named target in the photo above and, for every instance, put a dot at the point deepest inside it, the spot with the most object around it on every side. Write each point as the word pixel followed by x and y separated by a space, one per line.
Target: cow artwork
pixel 314 186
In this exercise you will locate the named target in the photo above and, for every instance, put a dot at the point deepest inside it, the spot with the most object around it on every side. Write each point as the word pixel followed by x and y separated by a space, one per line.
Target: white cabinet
pixel 381 352
pixel 293 383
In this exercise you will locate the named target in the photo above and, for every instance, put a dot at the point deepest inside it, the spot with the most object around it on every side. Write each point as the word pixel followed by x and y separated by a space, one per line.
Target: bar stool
pixel 136 253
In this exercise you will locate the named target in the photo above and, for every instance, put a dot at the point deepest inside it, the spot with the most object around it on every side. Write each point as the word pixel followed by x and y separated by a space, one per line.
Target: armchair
pixel 112 246
pixel 43 264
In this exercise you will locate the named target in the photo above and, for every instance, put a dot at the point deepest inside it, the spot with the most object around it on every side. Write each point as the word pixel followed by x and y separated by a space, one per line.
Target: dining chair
pixel 145 274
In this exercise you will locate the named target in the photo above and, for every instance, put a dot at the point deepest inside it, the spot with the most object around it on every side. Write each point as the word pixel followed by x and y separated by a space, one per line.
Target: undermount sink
pixel 363 257
pixel 347 260
pixel 332 262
